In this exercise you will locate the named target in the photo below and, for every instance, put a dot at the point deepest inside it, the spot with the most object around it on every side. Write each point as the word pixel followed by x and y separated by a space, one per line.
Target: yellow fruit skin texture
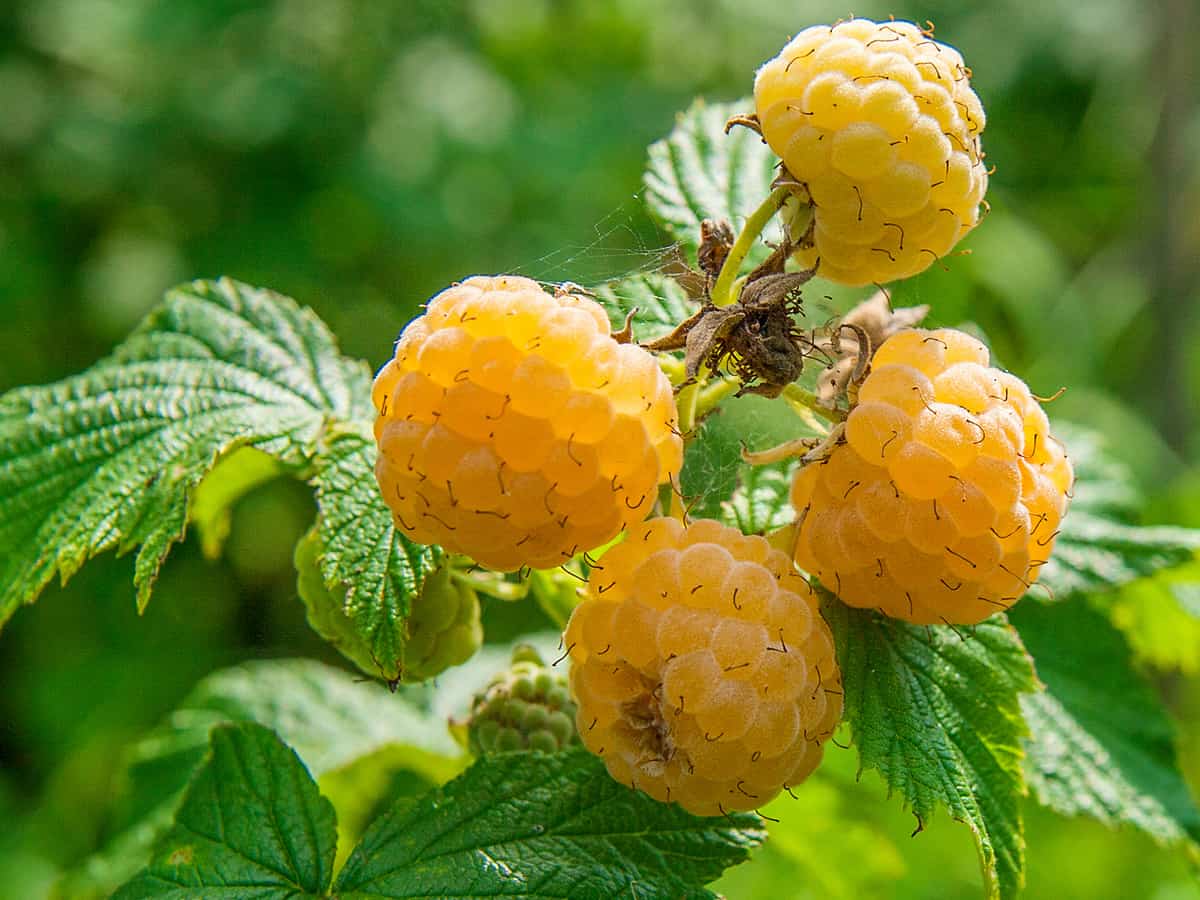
pixel 881 124
pixel 702 669
pixel 945 499
pixel 514 429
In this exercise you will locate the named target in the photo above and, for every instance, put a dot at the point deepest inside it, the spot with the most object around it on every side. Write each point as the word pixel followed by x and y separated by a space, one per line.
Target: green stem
pixel 711 395
pixel 491 583
pixel 723 292
pixel 685 402
pixel 805 403
pixel 672 368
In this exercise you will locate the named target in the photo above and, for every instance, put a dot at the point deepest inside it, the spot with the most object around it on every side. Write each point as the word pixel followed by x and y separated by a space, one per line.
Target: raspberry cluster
pixel 702 668
pixel 943 496
pixel 526 707
pixel 514 429
pixel 879 124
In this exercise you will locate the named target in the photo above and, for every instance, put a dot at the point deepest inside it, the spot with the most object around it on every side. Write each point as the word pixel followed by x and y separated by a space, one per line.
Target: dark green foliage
pixel 251 822
pixel 1100 743
pixel 938 713
pixel 252 825
pixel 527 825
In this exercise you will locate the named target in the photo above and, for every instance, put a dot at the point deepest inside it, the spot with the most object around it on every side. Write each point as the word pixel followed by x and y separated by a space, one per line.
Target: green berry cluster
pixel 526 707
pixel 443 629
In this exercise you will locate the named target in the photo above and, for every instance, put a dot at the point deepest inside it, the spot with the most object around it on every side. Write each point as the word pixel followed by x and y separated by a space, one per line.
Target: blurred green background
pixel 360 155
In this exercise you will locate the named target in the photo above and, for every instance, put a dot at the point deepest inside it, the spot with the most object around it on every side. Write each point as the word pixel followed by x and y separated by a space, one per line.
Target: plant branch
pixel 723 292
pixel 806 404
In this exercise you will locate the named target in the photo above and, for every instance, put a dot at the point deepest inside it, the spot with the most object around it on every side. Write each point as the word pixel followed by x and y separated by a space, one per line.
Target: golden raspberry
pixel 702 668
pixel 881 125
pixel 514 429
pixel 944 496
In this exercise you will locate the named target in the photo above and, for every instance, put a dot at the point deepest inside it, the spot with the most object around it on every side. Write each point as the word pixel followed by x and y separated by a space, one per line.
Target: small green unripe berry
pixel 524 687
pixel 526 707
pixel 509 739
pixel 527 653
pixel 442 629
pixel 535 718
pixel 561 726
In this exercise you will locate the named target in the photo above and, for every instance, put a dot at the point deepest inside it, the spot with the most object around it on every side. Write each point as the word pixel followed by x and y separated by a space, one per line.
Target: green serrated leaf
pixel 1095 554
pixel 378 567
pixel 937 712
pixel 1101 744
pixel 713 465
pixel 1162 627
pixel 323 606
pixel 108 459
pixel 660 301
pixel 251 826
pixel 1099 548
pixel 534 825
pixel 698 172
pixel 332 719
pixel 761 502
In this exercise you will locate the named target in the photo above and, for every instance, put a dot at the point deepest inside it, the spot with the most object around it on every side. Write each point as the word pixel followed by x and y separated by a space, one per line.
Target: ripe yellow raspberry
pixel 703 671
pixel 879 122
pixel 514 429
pixel 943 497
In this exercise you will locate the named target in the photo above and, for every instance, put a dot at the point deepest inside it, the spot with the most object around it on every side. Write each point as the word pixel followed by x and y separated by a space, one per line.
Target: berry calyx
pixel 702 668
pixel 942 497
pixel 514 429
pixel 526 707
pixel 878 125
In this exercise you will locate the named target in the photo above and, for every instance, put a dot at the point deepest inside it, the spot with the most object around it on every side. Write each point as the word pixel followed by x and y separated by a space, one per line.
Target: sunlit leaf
pixel 108 459
pixel 234 476
pixel 937 713
pixel 1101 744
pixel 251 825
pixel 543 826
pixel 699 172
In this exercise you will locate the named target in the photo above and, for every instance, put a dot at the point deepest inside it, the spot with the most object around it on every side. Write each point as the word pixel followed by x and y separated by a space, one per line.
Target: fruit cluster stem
pixel 723 291
pixel 806 405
